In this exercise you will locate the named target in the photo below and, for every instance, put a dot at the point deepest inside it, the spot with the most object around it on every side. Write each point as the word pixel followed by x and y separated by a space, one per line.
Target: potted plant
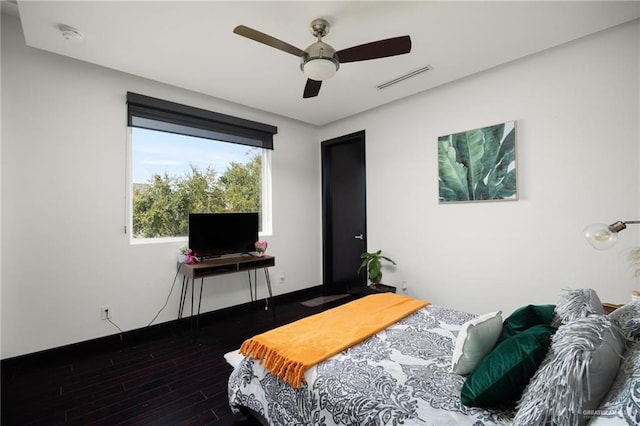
pixel 373 262
pixel 187 255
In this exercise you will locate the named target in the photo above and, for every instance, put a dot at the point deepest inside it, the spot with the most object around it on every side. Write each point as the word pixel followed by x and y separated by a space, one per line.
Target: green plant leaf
pixel 481 192
pixel 452 175
pixel 387 259
pixel 469 148
pixel 501 180
pixel 363 264
pixel 508 188
pixel 374 269
pixel 446 193
pixel 492 138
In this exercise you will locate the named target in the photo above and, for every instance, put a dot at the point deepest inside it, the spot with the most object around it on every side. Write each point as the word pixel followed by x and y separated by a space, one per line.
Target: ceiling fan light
pixel 319 69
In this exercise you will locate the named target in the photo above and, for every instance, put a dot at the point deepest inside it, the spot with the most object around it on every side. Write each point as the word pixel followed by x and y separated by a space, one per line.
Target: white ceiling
pixel 190 44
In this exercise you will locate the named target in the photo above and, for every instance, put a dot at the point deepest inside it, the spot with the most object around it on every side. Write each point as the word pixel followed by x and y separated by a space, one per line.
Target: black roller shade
pixel 157 114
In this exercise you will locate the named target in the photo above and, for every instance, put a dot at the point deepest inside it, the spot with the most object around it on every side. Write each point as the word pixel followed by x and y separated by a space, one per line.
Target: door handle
pixel 359 237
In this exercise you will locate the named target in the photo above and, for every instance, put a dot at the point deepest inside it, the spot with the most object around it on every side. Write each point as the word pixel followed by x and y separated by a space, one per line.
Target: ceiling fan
pixel 320 61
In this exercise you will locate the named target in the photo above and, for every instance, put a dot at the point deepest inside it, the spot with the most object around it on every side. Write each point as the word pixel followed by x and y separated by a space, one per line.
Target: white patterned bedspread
pixel 399 376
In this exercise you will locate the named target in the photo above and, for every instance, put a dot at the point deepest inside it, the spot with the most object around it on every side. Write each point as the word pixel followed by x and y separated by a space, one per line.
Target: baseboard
pixel 131 337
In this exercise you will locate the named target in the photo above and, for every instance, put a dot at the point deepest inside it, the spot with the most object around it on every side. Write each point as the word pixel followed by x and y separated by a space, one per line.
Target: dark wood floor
pixel 164 375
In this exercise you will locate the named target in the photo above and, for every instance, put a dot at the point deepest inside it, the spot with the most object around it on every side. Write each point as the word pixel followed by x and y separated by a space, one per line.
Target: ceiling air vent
pixel 403 77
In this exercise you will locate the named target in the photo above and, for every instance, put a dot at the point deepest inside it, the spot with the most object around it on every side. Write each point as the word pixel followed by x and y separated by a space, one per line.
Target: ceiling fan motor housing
pixel 320 61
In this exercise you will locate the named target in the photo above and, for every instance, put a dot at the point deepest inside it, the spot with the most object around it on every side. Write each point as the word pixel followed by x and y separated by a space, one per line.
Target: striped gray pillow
pixel 577 304
pixel 576 374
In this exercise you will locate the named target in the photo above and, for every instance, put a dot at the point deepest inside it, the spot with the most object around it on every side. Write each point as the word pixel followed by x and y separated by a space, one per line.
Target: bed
pixel 403 375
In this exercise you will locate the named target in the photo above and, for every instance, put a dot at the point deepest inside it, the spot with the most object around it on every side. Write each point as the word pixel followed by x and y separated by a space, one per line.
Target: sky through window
pixel 157 152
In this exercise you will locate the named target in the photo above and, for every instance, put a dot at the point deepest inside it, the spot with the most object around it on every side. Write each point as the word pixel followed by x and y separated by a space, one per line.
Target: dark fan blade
pixel 312 88
pixel 376 49
pixel 268 40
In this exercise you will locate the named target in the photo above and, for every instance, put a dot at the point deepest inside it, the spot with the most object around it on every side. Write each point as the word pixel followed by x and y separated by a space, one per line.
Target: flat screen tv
pixel 218 234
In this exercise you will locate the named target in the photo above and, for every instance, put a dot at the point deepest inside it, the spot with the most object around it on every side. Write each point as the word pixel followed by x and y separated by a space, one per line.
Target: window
pixel 187 160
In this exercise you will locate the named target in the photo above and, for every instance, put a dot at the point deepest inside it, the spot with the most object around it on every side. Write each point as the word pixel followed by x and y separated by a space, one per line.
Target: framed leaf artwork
pixel 478 164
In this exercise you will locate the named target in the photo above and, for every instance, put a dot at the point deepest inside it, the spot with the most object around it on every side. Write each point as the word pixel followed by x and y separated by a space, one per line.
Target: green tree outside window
pixel 161 207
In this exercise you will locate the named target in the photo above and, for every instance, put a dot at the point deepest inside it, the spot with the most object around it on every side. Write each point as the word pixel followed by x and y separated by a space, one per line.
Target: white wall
pixel 577 112
pixel 63 179
pixel 64 253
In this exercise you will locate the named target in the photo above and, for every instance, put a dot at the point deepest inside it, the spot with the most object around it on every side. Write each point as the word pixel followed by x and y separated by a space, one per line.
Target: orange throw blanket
pixel 288 351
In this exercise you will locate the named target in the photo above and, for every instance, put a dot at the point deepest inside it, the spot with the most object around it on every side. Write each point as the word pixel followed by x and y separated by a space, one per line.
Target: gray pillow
pixel 577 304
pixel 622 403
pixel 627 317
pixel 576 374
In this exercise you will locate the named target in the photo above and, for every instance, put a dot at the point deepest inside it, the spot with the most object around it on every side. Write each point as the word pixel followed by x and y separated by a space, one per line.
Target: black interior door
pixel 344 213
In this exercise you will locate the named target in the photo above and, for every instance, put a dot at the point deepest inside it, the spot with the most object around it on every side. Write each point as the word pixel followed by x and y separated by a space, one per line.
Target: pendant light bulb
pixel 601 236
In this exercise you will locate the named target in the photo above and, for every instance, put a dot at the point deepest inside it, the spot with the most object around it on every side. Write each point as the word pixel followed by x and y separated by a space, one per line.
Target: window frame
pixel 169 117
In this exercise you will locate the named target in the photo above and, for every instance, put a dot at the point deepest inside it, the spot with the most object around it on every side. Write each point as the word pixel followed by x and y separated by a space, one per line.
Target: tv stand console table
pixel 220 266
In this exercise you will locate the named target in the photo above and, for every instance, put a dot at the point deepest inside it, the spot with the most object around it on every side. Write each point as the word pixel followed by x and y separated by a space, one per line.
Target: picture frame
pixel 478 165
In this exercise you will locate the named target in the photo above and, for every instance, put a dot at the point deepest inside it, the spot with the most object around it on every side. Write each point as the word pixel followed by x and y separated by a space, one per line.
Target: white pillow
pixel 476 339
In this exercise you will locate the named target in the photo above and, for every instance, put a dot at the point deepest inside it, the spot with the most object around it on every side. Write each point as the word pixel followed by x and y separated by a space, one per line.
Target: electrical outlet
pixel 105 313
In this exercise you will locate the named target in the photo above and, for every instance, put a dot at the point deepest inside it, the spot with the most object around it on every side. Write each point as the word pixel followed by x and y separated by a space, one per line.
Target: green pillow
pixel 500 378
pixel 525 317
